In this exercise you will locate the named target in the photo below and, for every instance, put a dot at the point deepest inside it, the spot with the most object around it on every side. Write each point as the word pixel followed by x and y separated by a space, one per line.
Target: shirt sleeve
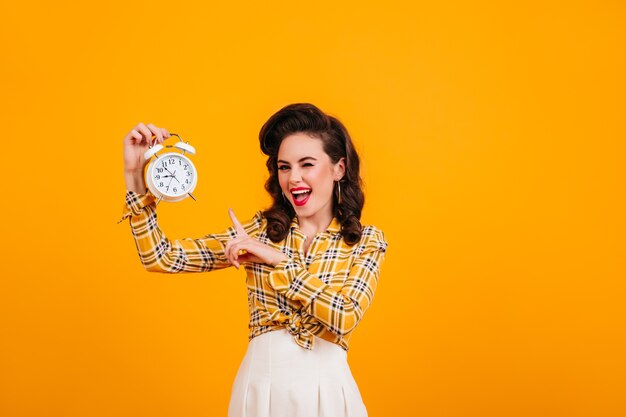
pixel 340 310
pixel 158 254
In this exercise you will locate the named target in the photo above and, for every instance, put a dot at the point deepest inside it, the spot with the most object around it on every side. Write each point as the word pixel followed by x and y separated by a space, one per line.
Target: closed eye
pixel 287 166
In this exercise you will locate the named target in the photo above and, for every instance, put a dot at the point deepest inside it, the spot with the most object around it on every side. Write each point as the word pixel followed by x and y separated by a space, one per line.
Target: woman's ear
pixel 340 169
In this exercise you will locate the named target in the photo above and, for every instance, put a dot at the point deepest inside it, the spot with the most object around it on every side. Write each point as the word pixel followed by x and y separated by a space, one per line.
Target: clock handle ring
pixel 156 147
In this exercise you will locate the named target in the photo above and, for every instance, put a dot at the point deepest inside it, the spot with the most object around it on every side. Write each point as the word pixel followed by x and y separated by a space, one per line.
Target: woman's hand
pixel 252 250
pixel 136 143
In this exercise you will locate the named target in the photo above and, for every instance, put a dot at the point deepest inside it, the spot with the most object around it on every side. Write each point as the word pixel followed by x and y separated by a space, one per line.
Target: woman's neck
pixel 313 225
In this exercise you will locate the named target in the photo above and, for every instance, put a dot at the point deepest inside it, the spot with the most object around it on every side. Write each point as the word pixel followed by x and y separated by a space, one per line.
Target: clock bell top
pixel 180 145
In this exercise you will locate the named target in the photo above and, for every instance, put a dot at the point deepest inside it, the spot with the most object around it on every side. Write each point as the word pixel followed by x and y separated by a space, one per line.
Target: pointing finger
pixel 238 227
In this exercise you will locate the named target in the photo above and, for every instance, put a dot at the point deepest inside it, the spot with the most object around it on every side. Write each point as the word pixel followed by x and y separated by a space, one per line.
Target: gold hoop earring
pixel 339 192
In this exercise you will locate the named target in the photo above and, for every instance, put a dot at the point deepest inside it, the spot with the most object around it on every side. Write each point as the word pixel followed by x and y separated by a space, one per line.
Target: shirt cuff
pixel 293 281
pixel 135 203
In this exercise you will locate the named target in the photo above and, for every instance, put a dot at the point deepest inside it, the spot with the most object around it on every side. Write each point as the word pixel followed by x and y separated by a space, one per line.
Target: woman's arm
pixel 159 254
pixel 340 310
pixel 155 250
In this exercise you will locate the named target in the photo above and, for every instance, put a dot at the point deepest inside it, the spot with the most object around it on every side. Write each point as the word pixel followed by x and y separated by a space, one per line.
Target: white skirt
pixel 278 378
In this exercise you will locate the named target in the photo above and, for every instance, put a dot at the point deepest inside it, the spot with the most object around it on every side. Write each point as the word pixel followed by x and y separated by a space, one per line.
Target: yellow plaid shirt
pixel 324 292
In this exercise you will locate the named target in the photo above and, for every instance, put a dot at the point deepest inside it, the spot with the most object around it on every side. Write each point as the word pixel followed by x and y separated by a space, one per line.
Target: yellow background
pixel 492 144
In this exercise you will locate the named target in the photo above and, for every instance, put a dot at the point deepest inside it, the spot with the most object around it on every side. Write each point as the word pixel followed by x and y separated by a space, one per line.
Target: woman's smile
pixel 301 195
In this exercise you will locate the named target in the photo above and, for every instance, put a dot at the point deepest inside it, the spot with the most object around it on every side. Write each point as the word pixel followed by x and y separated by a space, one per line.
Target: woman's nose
pixel 295 176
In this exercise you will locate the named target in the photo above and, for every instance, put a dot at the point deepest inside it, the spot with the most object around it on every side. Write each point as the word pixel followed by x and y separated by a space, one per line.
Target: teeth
pixel 301 191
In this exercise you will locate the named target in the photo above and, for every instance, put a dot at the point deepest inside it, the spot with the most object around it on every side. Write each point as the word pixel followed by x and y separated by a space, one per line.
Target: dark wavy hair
pixel 337 144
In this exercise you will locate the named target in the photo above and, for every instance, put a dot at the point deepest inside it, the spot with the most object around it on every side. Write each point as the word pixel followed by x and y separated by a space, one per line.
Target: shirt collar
pixel 333 227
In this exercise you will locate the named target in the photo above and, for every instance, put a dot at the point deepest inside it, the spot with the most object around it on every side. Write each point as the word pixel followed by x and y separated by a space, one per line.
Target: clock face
pixel 173 175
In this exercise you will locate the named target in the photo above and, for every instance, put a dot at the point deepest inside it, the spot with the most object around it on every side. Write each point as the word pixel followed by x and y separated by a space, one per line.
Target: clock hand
pixel 174 175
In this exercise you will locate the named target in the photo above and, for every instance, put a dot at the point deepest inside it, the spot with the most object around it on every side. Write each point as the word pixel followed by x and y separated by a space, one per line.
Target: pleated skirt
pixel 278 378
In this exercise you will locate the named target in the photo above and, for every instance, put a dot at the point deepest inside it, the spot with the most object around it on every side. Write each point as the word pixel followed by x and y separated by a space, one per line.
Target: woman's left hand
pixel 251 249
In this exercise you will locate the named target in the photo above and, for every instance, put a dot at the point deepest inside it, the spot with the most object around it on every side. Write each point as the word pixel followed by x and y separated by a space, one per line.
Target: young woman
pixel 311 267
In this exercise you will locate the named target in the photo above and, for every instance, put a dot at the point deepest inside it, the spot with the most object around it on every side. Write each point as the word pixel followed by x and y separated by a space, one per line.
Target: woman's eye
pixel 283 167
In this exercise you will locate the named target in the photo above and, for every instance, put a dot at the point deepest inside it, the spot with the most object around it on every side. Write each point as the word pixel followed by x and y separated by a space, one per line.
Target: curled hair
pixel 336 142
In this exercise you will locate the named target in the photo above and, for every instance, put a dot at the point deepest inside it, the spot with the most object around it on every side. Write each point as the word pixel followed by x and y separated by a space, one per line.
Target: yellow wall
pixel 492 140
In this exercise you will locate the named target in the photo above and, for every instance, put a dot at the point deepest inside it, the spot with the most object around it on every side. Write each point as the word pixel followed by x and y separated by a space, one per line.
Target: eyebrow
pixel 300 160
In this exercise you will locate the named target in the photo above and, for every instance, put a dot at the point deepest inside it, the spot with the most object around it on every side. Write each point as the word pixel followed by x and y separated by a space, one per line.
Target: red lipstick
pixel 302 202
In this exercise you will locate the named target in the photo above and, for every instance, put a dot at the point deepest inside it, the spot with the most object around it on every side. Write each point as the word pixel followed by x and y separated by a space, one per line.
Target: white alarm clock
pixel 171 176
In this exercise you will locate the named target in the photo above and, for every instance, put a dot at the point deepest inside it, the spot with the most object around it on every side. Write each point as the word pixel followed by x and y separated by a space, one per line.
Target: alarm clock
pixel 171 176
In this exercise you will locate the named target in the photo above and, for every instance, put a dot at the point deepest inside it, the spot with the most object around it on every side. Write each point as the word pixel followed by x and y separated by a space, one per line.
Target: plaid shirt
pixel 324 292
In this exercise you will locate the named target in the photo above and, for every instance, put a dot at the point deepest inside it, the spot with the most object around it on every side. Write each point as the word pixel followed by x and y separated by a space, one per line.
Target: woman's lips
pixel 300 203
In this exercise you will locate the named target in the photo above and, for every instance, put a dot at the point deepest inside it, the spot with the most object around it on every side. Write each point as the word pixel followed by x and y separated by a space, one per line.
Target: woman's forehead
pixel 300 145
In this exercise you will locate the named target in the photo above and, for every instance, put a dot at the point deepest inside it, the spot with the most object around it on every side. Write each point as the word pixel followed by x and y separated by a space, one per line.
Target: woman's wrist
pixel 135 182
pixel 281 257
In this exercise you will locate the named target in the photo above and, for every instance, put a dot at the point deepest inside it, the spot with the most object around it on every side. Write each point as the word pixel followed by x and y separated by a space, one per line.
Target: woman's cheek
pixel 314 175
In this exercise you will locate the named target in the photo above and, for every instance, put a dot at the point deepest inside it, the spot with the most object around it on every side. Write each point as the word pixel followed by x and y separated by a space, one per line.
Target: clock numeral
pixel 188 174
pixel 183 187
pixel 160 170
pixel 161 184
pixel 172 161
pixel 175 190
pixel 187 181
pixel 186 167
pixel 158 177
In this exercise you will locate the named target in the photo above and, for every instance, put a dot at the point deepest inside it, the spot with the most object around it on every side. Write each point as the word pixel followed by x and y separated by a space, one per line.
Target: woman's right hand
pixel 136 143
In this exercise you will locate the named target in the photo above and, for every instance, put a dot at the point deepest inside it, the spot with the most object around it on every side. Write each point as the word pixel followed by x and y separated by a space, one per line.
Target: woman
pixel 311 267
